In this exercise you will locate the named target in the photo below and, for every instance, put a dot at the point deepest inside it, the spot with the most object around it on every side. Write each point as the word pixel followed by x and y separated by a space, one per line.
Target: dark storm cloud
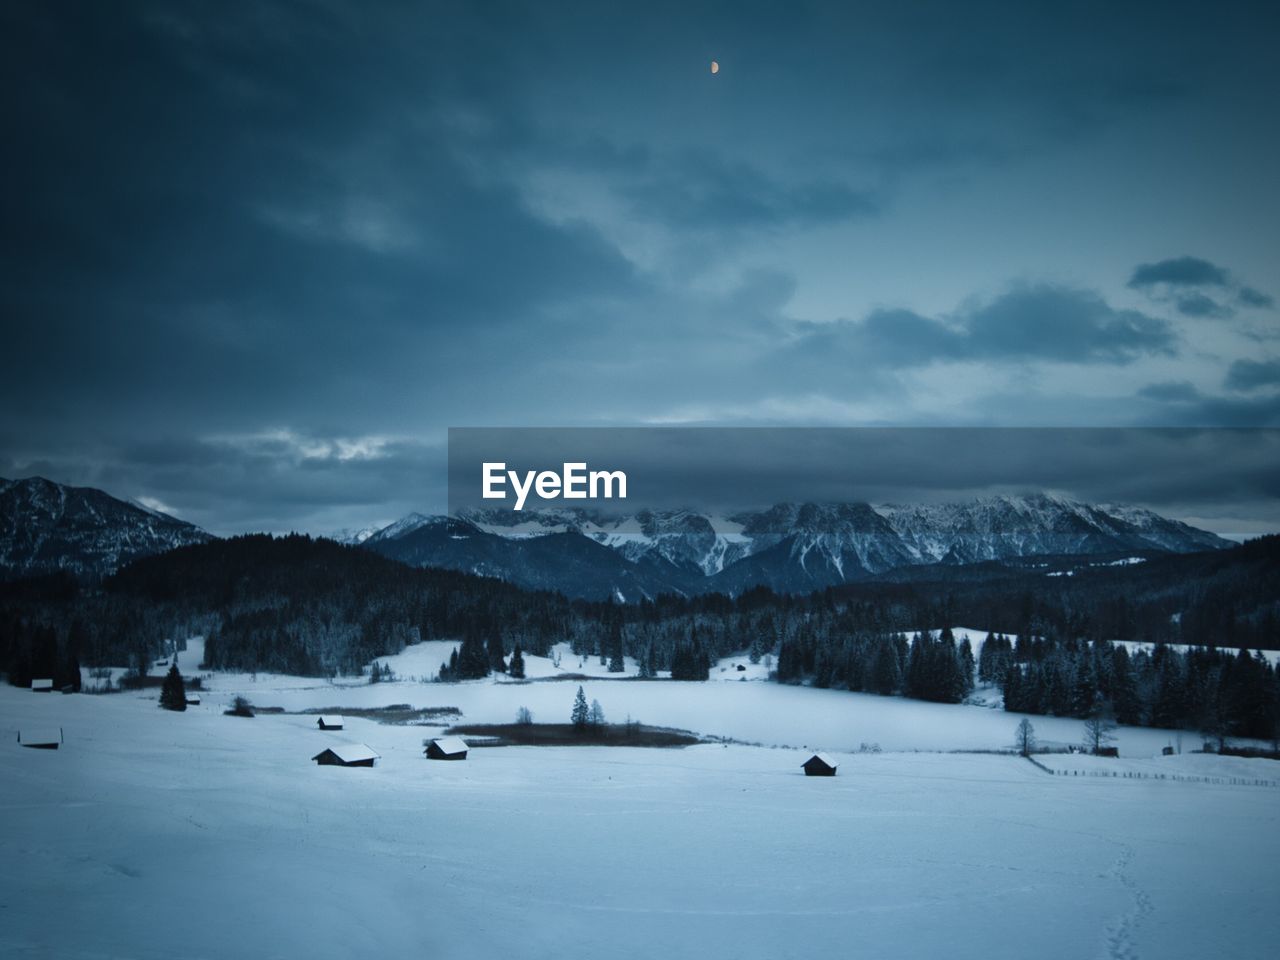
pixel 1245 375
pixel 1179 272
pixel 255 252
pixel 1030 323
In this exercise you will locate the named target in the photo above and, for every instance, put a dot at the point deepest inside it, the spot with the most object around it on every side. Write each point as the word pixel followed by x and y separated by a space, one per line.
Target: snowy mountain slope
pixel 47 526
pixel 353 536
pixel 569 562
pixel 790 547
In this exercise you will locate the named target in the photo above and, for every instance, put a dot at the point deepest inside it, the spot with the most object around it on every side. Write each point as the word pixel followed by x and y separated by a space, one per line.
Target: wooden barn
pixel 48 738
pixel 1107 752
pixel 346 755
pixel 329 722
pixel 447 748
pixel 193 699
pixel 819 766
pixel 42 685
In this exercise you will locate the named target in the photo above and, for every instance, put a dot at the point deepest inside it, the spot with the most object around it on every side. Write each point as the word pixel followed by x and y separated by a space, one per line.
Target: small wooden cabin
pixel 346 755
pixel 43 685
pixel 1167 752
pixel 329 722
pixel 1107 752
pixel 193 699
pixel 447 748
pixel 819 765
pixel 49 738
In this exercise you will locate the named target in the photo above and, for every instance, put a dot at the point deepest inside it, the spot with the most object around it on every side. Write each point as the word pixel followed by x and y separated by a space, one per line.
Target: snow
pixel 196 835
pixel 39 736
pixel 350 752
pixel 1187 767
pixel 1133 646
pixel 451 745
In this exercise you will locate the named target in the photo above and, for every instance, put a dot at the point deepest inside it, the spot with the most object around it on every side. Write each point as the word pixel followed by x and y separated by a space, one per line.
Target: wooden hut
pixel 193 699
pixel 819 765
pixel 1107 752
pixel 447 748
pixel 48 738
pixel 42 685
pixel 329 722
pixel 346 755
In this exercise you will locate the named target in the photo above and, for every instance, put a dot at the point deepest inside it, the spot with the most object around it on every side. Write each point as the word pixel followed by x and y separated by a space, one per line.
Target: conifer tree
pixel 173 693
pixel 617 661
pixel 515 669
pixel 581 712
pixel 496 652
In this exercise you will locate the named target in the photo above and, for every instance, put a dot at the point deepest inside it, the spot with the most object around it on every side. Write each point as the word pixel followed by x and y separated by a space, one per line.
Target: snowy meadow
pixel 200 835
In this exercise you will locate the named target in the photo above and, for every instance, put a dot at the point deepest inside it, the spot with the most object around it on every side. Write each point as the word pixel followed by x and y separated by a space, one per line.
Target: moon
pixel 715 66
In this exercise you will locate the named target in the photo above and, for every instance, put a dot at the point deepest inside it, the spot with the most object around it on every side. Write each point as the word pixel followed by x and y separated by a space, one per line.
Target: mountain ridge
pixel 790 547
pixel 47 527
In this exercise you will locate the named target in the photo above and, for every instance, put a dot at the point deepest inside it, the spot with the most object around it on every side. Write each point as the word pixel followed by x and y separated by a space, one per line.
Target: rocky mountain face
pixel 46 527
pixel 791 548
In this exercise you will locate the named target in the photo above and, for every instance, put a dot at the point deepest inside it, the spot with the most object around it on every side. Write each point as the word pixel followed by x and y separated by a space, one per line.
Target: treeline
pixel 928 668
pixel 1218 693
pixel 1228 598
pixel 313 607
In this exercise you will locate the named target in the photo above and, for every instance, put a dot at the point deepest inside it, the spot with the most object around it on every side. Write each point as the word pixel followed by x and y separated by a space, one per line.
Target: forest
pixel 313 607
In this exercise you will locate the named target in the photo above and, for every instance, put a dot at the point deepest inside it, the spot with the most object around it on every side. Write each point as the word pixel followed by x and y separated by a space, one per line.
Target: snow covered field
pixel 746 709
pixel 152 834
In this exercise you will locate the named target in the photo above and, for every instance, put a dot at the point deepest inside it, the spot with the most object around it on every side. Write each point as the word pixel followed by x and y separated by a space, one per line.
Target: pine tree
pixel 617 661
pixel 496 652
pixel 581 712
pixel 885 679
pixel 515 669
pixel 473 659
pixel 173 693
pixel 967 667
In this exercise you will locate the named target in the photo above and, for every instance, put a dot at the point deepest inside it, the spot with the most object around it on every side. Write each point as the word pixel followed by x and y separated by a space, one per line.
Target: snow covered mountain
pixel 1002 527
pixel 793 548
pixel 47 526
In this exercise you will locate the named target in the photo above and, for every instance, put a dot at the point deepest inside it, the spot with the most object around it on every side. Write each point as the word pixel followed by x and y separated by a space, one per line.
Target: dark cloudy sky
pixel 259 256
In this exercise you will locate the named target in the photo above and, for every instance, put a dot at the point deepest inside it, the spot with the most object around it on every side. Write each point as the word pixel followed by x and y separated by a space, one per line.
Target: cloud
pixel 1248 375
pixel 1185 280
pixel 1255 298
pixel 1179 272
pixel 1198 305
pixel 1041 322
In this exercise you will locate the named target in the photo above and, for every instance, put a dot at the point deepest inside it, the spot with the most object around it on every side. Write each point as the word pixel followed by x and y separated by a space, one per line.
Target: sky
pixel 260 257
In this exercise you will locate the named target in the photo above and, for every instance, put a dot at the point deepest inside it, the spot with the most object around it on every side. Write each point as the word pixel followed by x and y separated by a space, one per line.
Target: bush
pixel 240 707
